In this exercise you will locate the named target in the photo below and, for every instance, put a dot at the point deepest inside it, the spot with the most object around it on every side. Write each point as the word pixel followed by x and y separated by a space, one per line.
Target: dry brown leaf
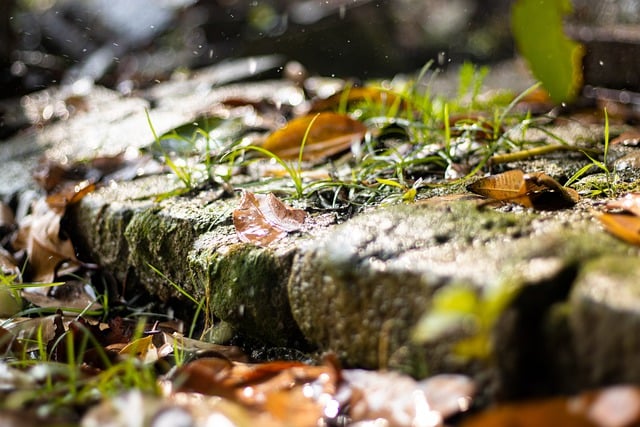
pixel 357 94
pixel 8 264
pixel 7 218
pixel 142 349
pixel 532 190
pixel 629 138
pixel 329 134
pixel 9 343
pixel 262 219
pixel 69 194
pixel 291 392
pixel 550 412
pixel 629 202
pixel 403 401
pixel 615 406
pixel 623 226
pixel 39 235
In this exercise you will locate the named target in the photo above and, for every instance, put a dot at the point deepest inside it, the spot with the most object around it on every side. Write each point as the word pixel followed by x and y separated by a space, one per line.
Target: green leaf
pixel 554 59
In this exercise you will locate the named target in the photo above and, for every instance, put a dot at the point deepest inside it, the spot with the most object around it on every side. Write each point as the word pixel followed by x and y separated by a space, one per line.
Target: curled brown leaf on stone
pixel 532 190
pixel 49 253
pixel 262 218
pixel 327 134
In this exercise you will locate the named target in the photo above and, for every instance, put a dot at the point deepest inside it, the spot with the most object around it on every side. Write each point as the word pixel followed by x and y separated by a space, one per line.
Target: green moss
pixel 248 290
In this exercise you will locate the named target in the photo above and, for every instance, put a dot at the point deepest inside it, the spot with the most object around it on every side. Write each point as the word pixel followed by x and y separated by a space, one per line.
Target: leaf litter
pixel 187 379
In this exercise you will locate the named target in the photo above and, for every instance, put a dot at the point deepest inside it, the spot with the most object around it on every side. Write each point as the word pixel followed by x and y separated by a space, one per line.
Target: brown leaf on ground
pixel 354 95
pixel 532 190
pixel 329 134
pixel 403 401
pixel 630 138
pixel 69 194
pixel 51 175
pixel 615 406
pixel 46 249
pixel 291 392
pixel 261 219
pixel 629 203
pixel 623 226
pixel 8 264
pixel 9 343
pixel 7 219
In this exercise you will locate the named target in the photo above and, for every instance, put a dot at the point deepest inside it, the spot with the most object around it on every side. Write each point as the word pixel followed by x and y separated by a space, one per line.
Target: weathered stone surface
pixel 362 288
pixel 605 320
pixel 191 241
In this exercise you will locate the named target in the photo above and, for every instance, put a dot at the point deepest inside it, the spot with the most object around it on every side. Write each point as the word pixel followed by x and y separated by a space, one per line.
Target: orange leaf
pixel 507 186
pixel 617 405
pixel 623 226
pixel 69 194
pixel 330 133
pixel 262 219
pixel 533 190
pixel 354 95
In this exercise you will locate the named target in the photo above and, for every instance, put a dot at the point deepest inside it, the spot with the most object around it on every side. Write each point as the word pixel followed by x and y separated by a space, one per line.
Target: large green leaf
pixel 554 59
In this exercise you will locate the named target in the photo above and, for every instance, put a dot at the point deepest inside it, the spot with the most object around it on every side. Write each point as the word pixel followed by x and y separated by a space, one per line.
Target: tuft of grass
pixel 201 305
pixel 182 172
pixel 602 165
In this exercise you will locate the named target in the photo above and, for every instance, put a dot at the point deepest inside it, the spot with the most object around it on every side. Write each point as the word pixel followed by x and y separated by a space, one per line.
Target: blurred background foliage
pixel 127 44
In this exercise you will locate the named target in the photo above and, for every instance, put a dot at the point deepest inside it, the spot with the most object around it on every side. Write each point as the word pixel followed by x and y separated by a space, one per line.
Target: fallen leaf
pixel 142 349
pixel 614 406
pixel 532 190
pixel 39 235
pixel 354 95
pixel 261 219
pixel 8 264
pixel 329 134
pixel 629 202
pixel 9 343
pixel 629 138
pixel 69 194
pixel 550 412
pixel 292 392
pixel 403 401
pixel 73 294
pixel 623 226
pixel 7 219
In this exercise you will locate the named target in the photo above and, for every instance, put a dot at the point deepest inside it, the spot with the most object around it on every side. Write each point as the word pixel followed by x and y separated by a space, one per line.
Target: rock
pixel 361 289
pixel 189 242
pixel 605 319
